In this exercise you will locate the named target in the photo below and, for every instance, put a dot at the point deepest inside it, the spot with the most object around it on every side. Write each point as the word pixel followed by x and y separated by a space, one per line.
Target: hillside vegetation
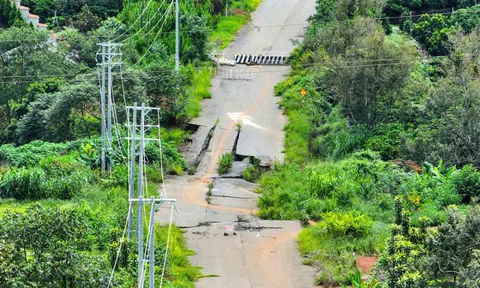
pixel 382 152
pixel 62 222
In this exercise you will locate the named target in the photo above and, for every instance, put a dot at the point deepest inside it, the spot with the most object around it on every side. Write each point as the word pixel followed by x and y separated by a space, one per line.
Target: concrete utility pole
pixel 177 37
pixel 140 196
pixel 226 7
pixel 109 55
pixel 102 96
pixel 131 182
pixel 140 200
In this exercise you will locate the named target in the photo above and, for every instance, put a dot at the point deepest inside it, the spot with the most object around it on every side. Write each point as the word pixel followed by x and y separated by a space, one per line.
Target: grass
pixel 16 206
pixel 199 90
pixel 225 163
pixel 333 255
pixel 181 273
pixel 226 30
pixel 247 5
pixel 228 26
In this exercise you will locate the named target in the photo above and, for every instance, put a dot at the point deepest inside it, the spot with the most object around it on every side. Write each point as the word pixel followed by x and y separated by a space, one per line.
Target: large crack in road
pixel 255 257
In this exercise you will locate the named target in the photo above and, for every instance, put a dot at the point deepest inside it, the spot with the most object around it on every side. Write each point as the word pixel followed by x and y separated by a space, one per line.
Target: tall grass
pixel 200 90
pixel 226 30
pixel 332 255
pixel 35 183
pixel 246 5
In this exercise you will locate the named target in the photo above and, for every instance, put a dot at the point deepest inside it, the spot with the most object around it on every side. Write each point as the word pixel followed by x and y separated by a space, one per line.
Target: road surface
pixel 264 254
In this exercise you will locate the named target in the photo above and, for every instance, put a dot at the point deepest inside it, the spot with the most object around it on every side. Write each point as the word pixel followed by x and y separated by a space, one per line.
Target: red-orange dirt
pixel 365 263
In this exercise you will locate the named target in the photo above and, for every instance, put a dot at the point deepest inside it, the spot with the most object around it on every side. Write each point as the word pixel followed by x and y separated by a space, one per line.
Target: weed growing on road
pixel 238 124
pixel 210 187
pixel 192 170
pixel 254 172
pixel 208 199
pixel 225 163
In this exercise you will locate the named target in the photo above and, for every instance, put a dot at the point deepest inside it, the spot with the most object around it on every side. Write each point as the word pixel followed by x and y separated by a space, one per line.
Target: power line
pixel 361 63
pixel 146 24
pixel 156 36
pixel 211 29
pixel 135 22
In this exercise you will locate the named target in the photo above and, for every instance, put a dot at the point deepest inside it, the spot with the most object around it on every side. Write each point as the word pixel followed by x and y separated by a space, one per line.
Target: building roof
pixel 33 16
pixel 23 8
pixel 42 25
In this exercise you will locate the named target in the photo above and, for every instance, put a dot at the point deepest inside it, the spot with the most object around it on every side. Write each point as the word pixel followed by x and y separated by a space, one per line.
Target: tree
pixel 48 247
pixel 24 61
pixel 456 102
pixel 452 249
pixel 365 80
pixel 468 19
pixel 9 16
pixel 52 116
pixel 195 47
pixel 329 10
pixel 86 21
pixel 404 256
pixel 432 32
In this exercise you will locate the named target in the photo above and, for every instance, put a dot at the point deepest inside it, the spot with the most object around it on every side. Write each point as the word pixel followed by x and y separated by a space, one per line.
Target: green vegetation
pixel 422 257
pixel 61 221
pixel 226 29
pixel 228 26
pixel 225 163
pixel 9 16
pixel 63 193
pixel 199 90
pixel 433 31
pixel 380 123
pixel 253 171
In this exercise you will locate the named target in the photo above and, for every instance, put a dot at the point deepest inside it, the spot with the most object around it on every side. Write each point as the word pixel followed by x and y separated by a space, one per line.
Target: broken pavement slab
pixel 196 141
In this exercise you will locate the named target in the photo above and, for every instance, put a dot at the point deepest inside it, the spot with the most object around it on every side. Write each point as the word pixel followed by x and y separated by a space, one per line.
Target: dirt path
pixel 265 254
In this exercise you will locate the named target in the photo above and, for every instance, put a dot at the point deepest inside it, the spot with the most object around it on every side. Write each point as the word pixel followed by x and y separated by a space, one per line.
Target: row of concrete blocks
pixel 279 59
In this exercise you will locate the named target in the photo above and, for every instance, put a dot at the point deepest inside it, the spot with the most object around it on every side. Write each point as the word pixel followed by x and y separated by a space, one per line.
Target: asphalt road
pixel 272 27
pixel 265 255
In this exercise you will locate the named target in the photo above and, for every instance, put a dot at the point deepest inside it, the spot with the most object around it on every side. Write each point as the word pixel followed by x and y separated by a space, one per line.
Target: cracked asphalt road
pixel 255 258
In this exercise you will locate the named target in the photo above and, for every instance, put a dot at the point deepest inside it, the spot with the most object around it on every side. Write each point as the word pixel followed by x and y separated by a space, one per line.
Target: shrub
pixel 35 183
pixel 467 183
pixel 225 163
pixel 386 141
pixel 31 154
pixel 173 161
pixel 252 173
pixel 342 224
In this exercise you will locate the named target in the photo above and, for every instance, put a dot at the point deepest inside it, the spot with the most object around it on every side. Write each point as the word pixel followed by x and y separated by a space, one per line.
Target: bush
pixel 467 183
pixel 253 172
pixel 289 190
pixel 31 154
pixel 225 163
pixel 173 161
pixel 343 224
pixel 36 183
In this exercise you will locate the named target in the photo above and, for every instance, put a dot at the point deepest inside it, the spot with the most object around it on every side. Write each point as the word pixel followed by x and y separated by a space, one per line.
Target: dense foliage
pixel 382 121
pixel 68 227
pixel 423 257
pixel 8 15
pixel 61 221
